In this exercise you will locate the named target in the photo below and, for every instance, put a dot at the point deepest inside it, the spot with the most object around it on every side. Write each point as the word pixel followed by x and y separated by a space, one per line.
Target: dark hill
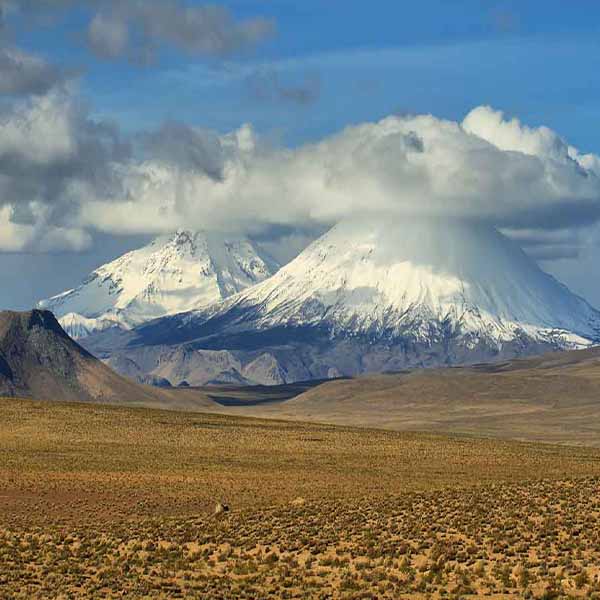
pixel 39 360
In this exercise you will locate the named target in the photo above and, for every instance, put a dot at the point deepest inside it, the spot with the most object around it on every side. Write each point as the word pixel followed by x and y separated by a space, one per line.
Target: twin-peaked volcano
pixel 377 295
pixel 172 274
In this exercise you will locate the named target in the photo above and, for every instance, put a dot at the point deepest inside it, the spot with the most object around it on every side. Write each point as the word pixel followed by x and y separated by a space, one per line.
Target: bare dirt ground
pixel 103 502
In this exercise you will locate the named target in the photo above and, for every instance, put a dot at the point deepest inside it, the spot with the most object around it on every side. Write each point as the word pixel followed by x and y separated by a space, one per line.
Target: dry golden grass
pixel 100 502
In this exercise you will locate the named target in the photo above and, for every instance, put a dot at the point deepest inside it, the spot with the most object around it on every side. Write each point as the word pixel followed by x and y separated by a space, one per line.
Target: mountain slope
pixel 424 278
pixel 172 274
pixel 374 296
pixel 39 360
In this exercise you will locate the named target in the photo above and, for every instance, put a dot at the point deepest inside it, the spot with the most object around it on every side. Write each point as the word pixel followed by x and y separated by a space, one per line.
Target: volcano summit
pixel 172 274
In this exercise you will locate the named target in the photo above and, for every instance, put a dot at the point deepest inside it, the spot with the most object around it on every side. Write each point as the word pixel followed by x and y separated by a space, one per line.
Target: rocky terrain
pixel 553 398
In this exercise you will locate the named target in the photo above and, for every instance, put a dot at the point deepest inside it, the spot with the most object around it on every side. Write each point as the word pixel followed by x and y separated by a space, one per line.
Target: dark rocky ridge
pixel 37 356
pixel 39 360
pixel 187 347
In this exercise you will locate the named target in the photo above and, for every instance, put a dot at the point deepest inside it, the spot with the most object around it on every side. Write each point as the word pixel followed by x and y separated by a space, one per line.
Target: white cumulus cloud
pixel 486 168
pixel 88 178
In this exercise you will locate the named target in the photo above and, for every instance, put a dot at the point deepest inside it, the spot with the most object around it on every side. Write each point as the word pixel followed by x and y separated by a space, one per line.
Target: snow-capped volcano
pixel 172 274
pixel 421 278
pixel 370 296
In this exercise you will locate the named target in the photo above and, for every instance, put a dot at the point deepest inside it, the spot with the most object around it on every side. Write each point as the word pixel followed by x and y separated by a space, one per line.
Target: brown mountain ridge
pixel 551 398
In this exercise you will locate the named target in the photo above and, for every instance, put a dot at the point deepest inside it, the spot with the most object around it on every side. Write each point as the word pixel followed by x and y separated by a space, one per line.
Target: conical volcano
pixel 423 279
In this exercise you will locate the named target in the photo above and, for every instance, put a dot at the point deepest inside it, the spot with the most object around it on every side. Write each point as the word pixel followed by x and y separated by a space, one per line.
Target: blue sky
pixel 357 61
pixel 535 59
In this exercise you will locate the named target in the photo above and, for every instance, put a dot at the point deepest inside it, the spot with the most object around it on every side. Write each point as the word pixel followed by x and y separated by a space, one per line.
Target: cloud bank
pixel 486 168
pixel 64 175
pixel 53 159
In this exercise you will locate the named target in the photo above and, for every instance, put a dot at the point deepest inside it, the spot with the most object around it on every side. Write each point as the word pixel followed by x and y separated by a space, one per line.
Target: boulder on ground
pixel 221 508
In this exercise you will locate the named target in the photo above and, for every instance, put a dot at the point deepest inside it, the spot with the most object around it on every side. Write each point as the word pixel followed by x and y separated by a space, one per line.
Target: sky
pixel 122 120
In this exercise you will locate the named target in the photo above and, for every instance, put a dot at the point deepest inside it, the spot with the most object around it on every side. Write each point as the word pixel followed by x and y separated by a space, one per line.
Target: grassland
pixel 104 502
pixel 551 398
